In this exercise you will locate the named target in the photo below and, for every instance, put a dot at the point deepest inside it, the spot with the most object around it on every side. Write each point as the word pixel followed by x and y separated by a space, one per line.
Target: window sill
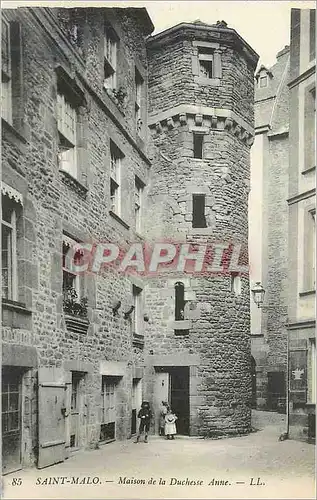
pixel 76 324
pixel 119 106
pixel 73 184
pixel 201 231
pixel 308 170
pixel 306 293
pixel 213 82
pixel 181 324
pixel 12 305
pixel 10 133
pixel 118 219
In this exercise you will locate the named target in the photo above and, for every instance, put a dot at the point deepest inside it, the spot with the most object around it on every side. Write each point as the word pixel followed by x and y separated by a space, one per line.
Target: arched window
pixel 179 300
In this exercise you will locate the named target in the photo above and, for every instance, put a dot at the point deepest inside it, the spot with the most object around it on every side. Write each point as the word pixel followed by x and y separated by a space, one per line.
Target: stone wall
pixel 218 319
pixel 53 203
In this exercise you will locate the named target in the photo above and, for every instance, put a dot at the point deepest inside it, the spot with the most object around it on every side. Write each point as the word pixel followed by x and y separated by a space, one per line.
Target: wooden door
pixel 75 407
pixel 51 418
pixel 162 393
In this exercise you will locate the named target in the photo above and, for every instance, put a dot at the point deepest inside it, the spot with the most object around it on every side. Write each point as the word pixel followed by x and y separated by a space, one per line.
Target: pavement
pixel 254 466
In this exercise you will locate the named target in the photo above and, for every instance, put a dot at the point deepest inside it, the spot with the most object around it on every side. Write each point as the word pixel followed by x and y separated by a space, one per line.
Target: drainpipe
pixel 288 383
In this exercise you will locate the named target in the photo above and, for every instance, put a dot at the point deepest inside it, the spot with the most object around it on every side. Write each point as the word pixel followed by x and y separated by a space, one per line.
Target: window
pixel 263 81
pixel 312 34
pixel 137 321
pixel 67 124
pixel 138 203
pixel 235 284
pixel 206 62
pixel 75 391
pixel 108 408
pixel 8 248
pixel 310 128
pixel 198 145
pixel 312 371
pixel 199 218
pixel 138 101
pixel 71 280
pixel 310 247
pixel 115 173
pixel 179 301
pixel 6 79
pixel 110 60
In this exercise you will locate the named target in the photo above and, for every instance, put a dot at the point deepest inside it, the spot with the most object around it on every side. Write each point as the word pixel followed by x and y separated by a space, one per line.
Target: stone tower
pixel 201 84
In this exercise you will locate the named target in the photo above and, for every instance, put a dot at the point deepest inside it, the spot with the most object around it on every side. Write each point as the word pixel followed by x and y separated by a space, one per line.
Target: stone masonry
pixel 217 319
pixel 54 49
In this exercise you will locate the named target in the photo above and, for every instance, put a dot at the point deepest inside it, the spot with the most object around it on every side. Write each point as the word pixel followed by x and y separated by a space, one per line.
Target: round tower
pixel 201 83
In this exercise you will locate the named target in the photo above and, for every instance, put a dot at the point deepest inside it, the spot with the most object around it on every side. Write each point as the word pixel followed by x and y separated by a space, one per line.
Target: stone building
pixel 74 149
pixel 283 233
pixel 201 121
pixel 87 160
pixel 268 231
pixel 302 225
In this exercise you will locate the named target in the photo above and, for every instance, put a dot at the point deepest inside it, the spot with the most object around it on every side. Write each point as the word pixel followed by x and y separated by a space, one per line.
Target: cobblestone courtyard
pixel 285 469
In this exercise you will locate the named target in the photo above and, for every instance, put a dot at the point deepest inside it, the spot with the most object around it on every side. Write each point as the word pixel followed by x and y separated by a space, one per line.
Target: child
pixel 145 416
pixel 163 412
pixel 170 426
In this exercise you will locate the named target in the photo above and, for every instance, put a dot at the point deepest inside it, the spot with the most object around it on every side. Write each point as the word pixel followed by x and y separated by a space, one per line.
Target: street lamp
pixel 258 293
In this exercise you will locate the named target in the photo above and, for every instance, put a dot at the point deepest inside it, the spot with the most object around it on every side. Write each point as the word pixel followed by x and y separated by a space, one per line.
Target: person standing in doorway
pixel 145 416
pixel 170 424
pixel 163 411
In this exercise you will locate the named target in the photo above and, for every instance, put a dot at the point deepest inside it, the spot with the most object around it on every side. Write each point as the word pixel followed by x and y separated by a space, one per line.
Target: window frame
pixel 66 112
pixel 139 89
pixel 13 259
pixel 108 395
pixel 138 202
pixel 310 250
pixel 180 302
pixel 195 223
pixel 263 78
pixel 110 59
pixel 311 371
pixel 200 136
pixel 77 279
pixel 6 77
pixel 205 59
pixel 137 315
pixel 116 157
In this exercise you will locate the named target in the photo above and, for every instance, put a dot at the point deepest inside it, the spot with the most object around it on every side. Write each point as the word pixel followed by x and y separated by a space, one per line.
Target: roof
pixel 216 30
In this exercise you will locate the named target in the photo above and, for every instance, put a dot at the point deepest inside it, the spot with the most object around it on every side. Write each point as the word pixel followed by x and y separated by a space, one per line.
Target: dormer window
pixel 263 77
pixel 263 81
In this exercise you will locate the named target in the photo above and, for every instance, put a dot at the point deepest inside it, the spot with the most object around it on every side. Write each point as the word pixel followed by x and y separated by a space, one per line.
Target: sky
pixel 265 24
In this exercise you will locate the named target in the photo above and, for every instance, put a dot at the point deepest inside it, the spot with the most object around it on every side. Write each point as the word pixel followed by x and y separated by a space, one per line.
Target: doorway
pixel 172 385
pixel 179 397
pixel 11 419
pixel 76 409
pixel 136 402
pixel 276 389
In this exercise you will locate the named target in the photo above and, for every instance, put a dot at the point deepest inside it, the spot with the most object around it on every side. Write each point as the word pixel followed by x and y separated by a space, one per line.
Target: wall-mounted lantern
pixel 258 293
